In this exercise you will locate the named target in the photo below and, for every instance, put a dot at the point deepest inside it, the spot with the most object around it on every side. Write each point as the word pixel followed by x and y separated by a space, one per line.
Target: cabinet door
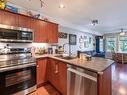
pixel 41 71
pixel 1 16
pixel 24 21
pixel 53 75
pixel 63 78
pixel 8 18
pixel 35 25
pixel 55 33
pixel 50 70
pixel 57 75
pixel 43 33
pixel 52 30
pixel 39 29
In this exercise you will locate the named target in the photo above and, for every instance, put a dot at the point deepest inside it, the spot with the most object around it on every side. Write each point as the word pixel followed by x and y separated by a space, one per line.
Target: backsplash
pixel 24 45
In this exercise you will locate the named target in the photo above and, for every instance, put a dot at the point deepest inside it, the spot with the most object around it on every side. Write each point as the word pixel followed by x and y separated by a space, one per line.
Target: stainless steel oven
pixel 19 81
pixel 15 34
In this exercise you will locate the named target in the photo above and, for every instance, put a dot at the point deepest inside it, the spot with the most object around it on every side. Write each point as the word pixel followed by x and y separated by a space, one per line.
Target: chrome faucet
pixel 69 48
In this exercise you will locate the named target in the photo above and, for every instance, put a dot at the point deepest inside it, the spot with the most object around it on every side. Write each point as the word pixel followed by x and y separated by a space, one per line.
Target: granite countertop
pixel 98 65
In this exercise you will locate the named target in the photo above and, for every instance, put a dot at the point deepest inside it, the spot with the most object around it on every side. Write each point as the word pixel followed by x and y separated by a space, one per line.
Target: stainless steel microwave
pixel 15 34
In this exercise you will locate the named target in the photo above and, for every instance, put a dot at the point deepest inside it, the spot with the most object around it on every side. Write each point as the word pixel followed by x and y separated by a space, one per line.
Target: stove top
pixel 15 56
pixel 16 62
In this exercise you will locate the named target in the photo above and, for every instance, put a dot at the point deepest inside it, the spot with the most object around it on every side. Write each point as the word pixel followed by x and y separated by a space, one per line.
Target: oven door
pixel 17 80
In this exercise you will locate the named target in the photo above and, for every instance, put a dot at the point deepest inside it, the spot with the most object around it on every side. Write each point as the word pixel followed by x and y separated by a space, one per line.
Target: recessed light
pixel 61 6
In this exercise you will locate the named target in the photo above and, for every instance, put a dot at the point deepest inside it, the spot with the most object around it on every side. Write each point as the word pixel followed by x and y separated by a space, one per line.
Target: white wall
pixel 75 48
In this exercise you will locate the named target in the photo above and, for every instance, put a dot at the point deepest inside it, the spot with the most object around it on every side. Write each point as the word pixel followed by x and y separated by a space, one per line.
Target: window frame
pixel 115 41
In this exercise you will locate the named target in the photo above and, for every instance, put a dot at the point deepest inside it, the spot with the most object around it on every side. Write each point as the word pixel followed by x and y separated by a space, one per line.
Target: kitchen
pixel 39 56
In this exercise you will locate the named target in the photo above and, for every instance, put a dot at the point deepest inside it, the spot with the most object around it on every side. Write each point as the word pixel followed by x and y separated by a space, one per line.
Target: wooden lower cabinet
pixel 41 71
pixel 53 71
pixel 57 75
pixel 63 78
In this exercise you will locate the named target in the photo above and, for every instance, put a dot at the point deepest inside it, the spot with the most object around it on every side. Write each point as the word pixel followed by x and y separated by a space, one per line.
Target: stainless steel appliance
pixel 17 72
pixel 15 34
pixel 81 81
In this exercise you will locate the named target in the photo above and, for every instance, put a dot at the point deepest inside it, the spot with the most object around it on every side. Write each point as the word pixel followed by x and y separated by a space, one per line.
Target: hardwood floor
pixel 119 82
pixel 46 90
pixel 119 79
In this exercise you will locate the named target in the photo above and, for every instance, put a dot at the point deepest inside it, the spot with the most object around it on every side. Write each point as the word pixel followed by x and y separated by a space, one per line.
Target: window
pixel 111 44
pixel 101 45
pixel 123 44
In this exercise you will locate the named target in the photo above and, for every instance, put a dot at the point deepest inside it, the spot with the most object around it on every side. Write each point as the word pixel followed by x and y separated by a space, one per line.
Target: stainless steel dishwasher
pixel 81 81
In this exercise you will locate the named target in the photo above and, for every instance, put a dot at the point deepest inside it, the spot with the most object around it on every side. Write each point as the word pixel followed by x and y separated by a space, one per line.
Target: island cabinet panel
pixel 52 30
pixel 41 71
pixel 24 21
pixel 105 83
pixel 57 75
pixel 8 18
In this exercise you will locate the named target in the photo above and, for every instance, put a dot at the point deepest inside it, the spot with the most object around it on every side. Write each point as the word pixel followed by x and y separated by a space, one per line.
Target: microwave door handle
pixel 82 74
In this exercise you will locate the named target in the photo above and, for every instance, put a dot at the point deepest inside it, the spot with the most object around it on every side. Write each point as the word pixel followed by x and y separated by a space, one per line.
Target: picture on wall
pixel 63 35
pixel 72 39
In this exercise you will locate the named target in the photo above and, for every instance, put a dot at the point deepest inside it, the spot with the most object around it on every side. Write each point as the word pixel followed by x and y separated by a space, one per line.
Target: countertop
pixel 98 65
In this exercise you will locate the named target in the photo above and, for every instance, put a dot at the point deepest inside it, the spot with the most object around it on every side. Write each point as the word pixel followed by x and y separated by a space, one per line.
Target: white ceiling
pixel 112 14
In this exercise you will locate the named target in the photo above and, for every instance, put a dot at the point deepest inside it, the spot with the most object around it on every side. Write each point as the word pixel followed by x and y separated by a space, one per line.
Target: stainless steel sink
pixel 65 57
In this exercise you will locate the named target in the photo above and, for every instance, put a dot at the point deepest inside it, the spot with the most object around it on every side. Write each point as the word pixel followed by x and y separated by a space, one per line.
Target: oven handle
pixel 17 67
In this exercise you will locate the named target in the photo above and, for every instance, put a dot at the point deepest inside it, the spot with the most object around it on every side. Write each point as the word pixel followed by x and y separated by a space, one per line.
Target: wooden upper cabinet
pixel 1 16
pixel 8 18
pixel 39 30
pixel 35 26
pixel 43 32
pixel 24 21
pixel 52 30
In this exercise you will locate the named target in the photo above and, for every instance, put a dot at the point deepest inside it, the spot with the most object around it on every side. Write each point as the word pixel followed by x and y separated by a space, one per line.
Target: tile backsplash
pixel 24 45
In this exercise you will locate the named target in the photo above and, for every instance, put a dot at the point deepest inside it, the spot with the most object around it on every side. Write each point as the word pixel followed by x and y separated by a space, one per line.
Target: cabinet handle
pixel 56 69
pixel 37 66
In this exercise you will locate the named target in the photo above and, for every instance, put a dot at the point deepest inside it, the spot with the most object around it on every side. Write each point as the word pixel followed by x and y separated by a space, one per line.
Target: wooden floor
pixel 46 90
pixel 119 82
pixel 119 79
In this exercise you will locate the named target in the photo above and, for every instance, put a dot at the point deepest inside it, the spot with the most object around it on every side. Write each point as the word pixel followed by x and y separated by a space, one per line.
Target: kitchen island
pixel 97 73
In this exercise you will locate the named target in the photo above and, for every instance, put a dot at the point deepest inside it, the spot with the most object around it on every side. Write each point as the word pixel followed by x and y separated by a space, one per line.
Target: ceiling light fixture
pixel 42 3
pixel 94 22
pixel 122 33
pixel 61 6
